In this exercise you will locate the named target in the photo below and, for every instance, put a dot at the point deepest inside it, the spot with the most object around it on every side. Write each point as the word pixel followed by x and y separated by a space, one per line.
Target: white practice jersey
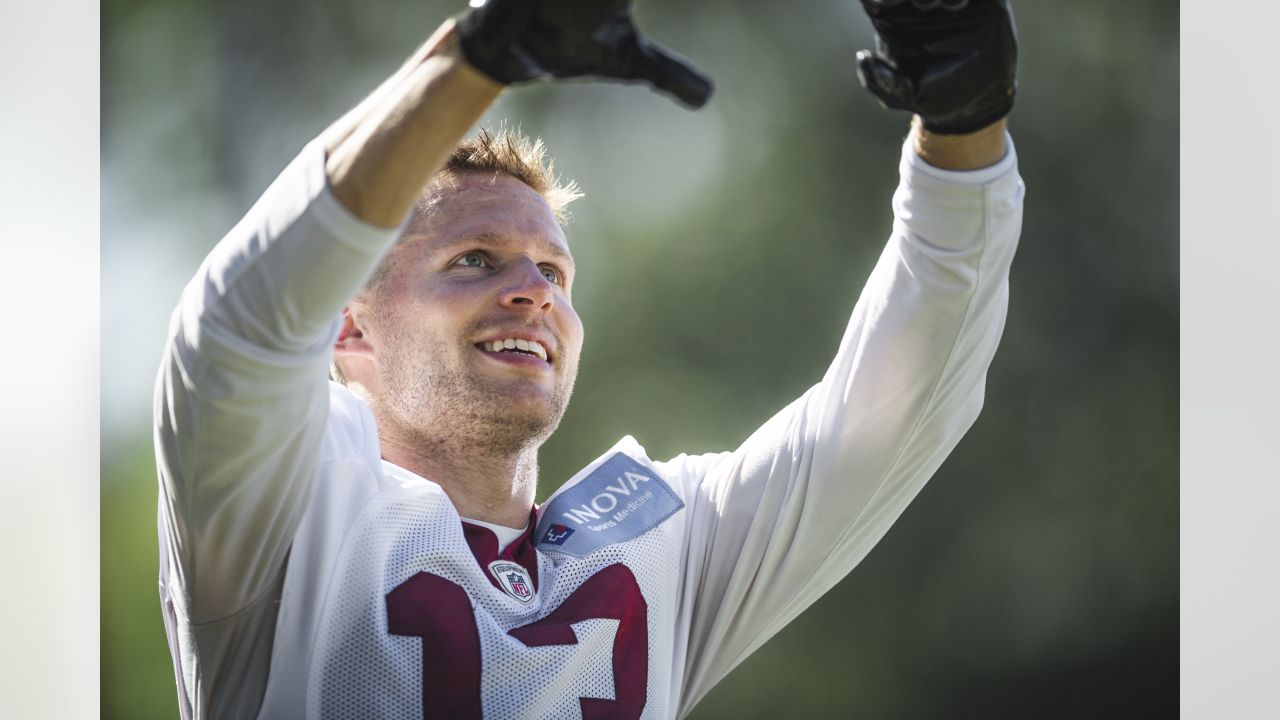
pixel 303 576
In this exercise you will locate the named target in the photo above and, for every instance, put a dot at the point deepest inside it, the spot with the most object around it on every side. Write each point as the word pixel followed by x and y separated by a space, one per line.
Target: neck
pixel 494 487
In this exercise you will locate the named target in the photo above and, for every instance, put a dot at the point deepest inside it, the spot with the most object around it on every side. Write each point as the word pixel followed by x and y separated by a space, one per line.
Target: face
pixel 473 333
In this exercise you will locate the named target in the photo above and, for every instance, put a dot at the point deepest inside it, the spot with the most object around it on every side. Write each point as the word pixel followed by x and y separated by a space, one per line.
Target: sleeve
pixel 779 521
pixel 242 397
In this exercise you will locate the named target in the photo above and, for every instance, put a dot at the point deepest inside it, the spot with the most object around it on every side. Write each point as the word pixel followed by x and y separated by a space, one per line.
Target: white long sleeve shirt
pixel 303 576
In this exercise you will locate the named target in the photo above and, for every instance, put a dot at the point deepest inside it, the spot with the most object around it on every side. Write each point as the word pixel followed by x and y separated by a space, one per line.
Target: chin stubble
pixel 441 405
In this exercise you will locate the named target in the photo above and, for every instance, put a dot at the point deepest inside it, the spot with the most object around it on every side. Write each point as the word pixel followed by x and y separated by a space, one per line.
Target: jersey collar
pixel 484 546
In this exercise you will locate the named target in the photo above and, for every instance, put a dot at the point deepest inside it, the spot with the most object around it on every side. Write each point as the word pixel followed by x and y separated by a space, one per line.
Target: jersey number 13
pixel 439 612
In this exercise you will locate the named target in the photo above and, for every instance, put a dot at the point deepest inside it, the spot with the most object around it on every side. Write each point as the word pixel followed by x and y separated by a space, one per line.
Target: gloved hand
pixel 952 62
pixel 517 40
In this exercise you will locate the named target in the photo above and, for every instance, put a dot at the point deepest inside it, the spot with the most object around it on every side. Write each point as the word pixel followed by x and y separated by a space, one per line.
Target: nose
pixel 526 287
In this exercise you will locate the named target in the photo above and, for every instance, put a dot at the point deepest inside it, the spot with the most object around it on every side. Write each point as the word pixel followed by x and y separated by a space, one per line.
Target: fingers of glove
pixel 500 22
pixel 490 30
pixel 672 74
pixel 883 81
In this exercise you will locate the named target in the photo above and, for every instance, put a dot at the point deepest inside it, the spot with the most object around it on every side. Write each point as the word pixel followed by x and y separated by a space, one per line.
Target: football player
pixel 368 545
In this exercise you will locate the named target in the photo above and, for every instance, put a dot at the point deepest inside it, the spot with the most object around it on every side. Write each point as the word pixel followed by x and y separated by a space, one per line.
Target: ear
pixel 351 340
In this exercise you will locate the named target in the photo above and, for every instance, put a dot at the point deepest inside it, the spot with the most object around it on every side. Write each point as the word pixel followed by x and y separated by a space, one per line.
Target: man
pixel 370 547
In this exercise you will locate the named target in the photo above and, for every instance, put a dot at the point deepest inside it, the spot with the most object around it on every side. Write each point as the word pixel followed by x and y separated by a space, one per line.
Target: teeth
pixel 536 348
pixel 531 346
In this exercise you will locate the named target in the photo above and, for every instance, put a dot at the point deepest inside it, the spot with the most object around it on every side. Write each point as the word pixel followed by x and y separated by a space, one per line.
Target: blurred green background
pixel 719 255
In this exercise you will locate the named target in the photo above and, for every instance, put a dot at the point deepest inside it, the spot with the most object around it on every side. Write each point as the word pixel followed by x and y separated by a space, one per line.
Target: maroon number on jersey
pixel 439 612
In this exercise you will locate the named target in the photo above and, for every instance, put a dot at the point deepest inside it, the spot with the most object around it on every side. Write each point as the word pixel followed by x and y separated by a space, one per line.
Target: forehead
pixel 492 207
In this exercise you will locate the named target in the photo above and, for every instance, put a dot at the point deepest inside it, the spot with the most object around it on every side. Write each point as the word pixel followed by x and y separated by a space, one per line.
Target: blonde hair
pixel 512 153
pixel 506 151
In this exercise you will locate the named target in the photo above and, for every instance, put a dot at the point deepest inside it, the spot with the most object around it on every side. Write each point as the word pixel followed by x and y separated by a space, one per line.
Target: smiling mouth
pixel 516 345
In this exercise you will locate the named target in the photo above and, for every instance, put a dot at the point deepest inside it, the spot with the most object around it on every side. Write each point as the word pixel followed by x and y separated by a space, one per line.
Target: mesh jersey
pixel 302 576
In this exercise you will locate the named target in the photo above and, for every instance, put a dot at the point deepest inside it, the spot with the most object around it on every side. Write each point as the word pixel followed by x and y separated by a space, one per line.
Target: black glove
pixel 952 62
pixel 517 40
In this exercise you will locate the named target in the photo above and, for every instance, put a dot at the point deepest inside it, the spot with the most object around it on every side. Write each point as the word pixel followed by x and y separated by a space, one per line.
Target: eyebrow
pixel 500 240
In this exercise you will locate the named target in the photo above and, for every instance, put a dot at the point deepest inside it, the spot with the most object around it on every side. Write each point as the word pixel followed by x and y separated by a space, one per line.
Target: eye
pixel 552 274
pixel 472 259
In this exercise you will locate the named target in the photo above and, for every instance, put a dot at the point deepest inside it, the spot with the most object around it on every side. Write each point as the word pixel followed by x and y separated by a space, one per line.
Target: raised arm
pixel 385 150
pixel 779 521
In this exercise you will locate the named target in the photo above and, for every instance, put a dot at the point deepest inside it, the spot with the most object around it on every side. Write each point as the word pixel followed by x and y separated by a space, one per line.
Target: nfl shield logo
pixel 513 579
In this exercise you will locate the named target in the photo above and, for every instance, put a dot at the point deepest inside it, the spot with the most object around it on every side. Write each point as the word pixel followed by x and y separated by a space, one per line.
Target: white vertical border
pixel 1230 355
pixel 49 385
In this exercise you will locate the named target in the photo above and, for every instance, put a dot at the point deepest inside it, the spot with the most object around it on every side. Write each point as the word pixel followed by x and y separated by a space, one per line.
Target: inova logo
pixel 608 500
pixel 618 500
